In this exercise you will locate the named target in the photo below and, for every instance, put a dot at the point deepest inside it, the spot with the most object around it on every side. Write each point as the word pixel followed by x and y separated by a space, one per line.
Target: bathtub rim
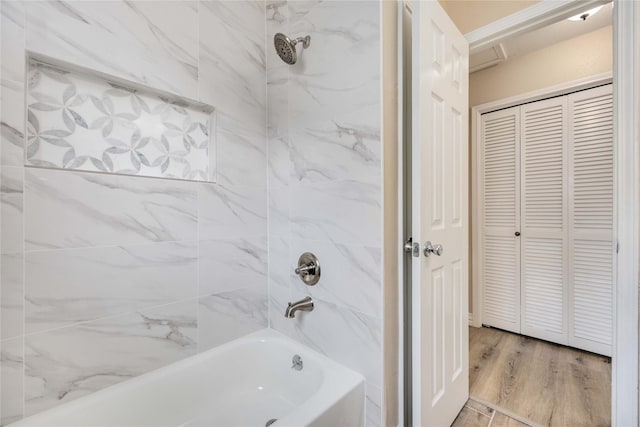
pixel 337 383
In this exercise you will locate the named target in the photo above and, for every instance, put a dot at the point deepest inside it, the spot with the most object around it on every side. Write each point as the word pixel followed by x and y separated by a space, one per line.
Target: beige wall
pixel 469 15
pixel 569 60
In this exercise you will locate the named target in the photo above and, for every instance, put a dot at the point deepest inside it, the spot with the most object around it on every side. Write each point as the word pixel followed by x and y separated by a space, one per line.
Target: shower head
pixel 286 48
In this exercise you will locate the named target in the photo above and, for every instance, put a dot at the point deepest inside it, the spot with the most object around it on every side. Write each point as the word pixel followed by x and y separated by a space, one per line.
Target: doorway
pixel 626 265
pixel 543 199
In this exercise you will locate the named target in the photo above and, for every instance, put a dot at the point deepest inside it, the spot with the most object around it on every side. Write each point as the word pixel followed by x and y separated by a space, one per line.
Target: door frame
pixel 626 107
pixel 477 194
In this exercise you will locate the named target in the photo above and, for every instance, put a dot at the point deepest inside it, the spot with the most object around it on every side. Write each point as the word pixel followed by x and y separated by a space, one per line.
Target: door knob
pixel 517 233
pixel 432 249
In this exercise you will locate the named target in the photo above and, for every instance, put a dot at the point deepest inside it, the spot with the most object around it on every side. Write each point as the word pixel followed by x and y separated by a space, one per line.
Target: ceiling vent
pixel 487 58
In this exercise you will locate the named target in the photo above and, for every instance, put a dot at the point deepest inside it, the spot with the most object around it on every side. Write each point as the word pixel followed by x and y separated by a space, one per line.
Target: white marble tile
pixel 278 121
pixel 12 296
pixel 180 25
pixel 281 276
pixel 90 209
pixel 12 39
pixel 347 212
pixel 11 209
pixel 12 72
pixel 12 75
pixel 373 406
pixel 151 43
pixel 340 71
pixel 232 59
pixel 241 153
pixel 63 287
pixel 277 73
pixel 351 275
pixel 279 208
pixel 339 148
pixel 334 94
pixel 229 315
pixel 299 9
pixel 237 211
pixel 76 120
pixel 12 140
pixel 64 364
pixel 11 386
pixel 229 264
pixel 279 159
pixel 277 101
pixel 348 337
pixel 277 14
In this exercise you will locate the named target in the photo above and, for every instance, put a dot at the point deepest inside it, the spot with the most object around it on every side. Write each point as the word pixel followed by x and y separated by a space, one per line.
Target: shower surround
pixel 106 277
pixel 125 274
pixel 324 127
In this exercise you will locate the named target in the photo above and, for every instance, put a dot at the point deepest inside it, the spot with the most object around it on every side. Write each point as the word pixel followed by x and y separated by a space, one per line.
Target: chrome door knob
pixel 432 249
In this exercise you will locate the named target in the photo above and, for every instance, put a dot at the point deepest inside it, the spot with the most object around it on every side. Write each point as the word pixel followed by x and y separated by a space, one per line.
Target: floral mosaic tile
pixel 82 122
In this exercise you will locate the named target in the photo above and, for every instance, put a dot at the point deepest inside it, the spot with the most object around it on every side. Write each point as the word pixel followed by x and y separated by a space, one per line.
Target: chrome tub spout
pixel 305 304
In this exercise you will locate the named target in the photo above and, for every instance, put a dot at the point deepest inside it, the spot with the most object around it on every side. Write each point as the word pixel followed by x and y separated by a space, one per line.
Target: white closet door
pixel 544 218
pixel 591 207
pixel 500 258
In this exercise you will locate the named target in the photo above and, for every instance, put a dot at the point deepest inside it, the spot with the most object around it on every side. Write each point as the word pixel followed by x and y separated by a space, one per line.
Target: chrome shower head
pixel 286 48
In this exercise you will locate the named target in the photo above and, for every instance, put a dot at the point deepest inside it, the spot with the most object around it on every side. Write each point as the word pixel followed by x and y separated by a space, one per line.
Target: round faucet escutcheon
pixel 308 269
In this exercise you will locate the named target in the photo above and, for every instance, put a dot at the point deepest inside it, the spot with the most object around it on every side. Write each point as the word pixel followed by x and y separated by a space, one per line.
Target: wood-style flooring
pixel 535 381
pixel 476 414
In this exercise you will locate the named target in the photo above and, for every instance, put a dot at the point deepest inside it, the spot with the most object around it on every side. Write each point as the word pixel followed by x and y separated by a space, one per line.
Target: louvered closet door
pixel 544 228
pixel 500 258
pixel 591 206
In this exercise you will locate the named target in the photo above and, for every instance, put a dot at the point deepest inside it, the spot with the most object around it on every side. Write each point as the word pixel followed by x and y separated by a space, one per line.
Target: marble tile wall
pixel 324 157
pixel 12 130
pixel 105 277
pixel 298 168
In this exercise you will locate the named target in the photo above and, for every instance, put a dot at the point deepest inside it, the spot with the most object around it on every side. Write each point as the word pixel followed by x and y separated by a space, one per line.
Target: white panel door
pixel 591 247
pixel 440 215
pixel 500 248
pixel 544 281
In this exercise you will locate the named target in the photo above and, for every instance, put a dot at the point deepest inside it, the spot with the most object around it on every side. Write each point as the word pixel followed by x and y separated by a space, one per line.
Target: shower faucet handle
pixel 305 268
pixel 308 268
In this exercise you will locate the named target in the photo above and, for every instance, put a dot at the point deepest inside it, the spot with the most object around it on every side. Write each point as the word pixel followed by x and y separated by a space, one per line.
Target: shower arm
pixel 306 41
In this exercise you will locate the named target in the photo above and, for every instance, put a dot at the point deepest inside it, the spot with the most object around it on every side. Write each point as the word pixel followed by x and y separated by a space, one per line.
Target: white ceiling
pixel 537 39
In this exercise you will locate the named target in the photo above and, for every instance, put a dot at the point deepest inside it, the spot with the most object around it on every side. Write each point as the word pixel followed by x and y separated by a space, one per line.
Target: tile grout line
pixel 505 412
pixel 112 174
pixel 267 162
pixel 113 316
pixel 491 419
pixel 122 246
pixel 475 410
pixel 198 344
pixel 23 402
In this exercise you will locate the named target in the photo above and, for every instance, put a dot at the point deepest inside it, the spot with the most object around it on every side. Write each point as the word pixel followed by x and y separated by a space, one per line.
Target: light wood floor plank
pixel 469 417
pixel 501 420
pixel 545 383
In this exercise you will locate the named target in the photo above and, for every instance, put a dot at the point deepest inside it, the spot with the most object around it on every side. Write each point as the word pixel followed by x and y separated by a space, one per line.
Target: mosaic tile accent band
pixel 82 122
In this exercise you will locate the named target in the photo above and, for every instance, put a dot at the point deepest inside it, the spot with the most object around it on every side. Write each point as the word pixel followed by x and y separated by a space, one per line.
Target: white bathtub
pixel 246 382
